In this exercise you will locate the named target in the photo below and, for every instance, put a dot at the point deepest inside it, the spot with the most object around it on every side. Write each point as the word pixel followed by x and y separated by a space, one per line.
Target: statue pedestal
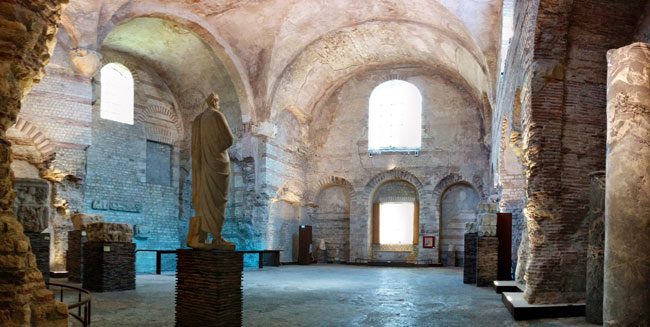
pixel 41 249
pixel 108 266
pixel 487 265
pixel 74 256
pixel 469 262
pixel 209 288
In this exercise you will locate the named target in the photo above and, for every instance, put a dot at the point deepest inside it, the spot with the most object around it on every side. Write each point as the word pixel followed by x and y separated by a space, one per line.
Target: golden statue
pixel 211 138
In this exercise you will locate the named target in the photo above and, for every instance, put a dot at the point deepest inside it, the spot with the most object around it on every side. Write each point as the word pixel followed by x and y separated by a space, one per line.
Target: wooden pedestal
pixel 209 288
pixel 504 233
pixel 304 245
pixel 108 266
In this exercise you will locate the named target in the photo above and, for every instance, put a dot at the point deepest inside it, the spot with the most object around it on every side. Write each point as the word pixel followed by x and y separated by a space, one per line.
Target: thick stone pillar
pixel 27 29
pixel 627 199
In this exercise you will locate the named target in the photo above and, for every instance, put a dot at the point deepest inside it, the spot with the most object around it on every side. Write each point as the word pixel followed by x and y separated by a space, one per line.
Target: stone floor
pixel 329 295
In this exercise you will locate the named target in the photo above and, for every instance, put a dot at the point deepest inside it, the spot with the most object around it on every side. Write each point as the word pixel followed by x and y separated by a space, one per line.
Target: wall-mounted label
pixel 116 206
pixel 107 248
pixel 83 233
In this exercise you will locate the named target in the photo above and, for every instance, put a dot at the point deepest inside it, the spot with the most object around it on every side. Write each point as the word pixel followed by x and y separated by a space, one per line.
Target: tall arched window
pixel 117 93
pixel 395 118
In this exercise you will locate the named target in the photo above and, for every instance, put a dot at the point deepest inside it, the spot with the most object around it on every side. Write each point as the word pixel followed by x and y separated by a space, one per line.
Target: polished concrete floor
pixel 329 295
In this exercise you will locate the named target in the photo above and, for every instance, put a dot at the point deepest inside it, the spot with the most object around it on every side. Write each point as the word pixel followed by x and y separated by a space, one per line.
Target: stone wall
pixel 117 184
pixel 26 37
pixel 59 111
pixel 451 146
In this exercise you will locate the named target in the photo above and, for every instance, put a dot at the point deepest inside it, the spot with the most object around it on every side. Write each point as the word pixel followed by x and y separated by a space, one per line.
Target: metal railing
pixel 82 306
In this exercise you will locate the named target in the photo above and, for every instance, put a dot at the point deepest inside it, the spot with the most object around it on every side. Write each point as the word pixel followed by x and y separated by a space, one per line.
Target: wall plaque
pixel 116 206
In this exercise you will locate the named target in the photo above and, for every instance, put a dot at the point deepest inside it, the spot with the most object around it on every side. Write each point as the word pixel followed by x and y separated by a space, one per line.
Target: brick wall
pixel 559 65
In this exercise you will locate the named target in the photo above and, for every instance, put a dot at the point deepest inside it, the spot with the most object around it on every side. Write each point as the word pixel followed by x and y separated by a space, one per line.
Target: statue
pixel 211 138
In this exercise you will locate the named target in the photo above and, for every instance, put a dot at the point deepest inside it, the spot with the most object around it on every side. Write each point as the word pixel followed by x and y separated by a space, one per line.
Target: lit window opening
pixel 117 93
pixel 396 222
pixel 395 118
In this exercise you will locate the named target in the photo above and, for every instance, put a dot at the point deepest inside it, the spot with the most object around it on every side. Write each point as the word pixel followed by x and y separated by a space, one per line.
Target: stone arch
pixel 443 185
pixel 205 31
pixel 40 140
pixel 376 183
pixel 439 190
pixel 108 58
pixel 294 88
pixel 334 181
pixel 156 132
pixel 393 174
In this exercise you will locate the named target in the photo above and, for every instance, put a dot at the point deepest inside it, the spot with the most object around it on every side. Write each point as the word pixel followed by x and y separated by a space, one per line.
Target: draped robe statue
pixel 211 138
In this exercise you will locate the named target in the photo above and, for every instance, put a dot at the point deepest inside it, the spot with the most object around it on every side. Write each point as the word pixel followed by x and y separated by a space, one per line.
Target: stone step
pixel 520 309
pixel 501 286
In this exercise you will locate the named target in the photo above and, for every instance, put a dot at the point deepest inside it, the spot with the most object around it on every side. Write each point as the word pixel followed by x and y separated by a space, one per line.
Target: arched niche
pixel 395 212
pixel 331 222
pixel 458 205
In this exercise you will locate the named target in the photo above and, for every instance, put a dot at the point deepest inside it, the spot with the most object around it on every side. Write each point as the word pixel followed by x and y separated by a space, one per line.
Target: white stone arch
pixel 204 30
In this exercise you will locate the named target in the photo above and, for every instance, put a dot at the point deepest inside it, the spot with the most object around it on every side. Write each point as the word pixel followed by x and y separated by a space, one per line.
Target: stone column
pixel 27 29
pixel 627 198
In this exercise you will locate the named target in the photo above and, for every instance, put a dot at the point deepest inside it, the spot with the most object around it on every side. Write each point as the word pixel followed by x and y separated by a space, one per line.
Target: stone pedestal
pixel 209 288
pixel 487 260
pixel 627 199
pixel 41 249
pixel 469 265
pixel 108 266
pixel 74 256
pixel 595 251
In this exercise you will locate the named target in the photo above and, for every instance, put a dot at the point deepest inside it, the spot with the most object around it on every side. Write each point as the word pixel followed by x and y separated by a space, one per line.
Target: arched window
pixel 395 118
pixel 395 214
pixel 117 93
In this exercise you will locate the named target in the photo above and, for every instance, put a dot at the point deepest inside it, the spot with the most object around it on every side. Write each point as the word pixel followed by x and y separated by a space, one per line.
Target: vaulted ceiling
pixel 290 54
